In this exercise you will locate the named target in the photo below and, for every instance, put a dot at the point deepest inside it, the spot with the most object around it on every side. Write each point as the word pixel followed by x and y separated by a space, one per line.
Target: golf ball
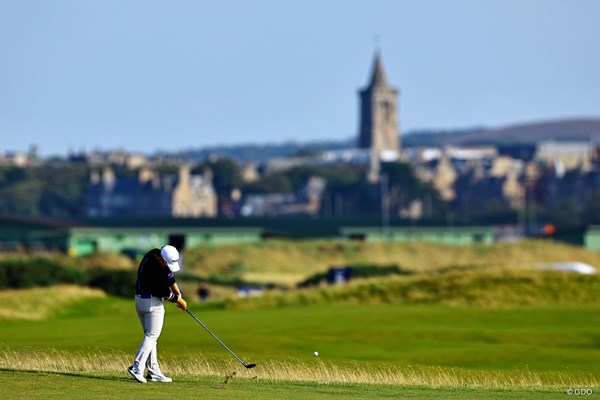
pixel 316 353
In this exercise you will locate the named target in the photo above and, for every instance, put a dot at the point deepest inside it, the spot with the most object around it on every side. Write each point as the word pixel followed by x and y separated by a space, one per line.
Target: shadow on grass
pixel 70 374
pixel 222 385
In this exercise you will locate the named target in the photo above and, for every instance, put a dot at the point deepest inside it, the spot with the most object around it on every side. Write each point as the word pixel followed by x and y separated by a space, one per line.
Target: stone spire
pixel 379 119
pixel 378 75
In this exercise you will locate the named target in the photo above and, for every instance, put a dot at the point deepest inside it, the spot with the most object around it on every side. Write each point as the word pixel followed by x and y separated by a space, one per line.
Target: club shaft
pixel 218 340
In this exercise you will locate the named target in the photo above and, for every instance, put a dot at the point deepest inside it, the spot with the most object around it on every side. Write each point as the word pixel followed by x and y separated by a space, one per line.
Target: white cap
pixel 171 257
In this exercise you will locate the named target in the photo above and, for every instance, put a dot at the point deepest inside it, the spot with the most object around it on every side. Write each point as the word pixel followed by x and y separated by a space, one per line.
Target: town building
pixel 151 195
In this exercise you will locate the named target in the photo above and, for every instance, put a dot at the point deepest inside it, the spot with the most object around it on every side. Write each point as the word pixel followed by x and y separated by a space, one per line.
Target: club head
pixel 249 365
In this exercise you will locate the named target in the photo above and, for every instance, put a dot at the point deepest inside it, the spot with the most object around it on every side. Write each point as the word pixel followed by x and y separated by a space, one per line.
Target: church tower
pixel 379 114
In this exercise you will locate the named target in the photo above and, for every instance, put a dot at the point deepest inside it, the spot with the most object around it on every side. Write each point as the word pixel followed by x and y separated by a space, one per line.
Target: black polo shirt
pixel 153 277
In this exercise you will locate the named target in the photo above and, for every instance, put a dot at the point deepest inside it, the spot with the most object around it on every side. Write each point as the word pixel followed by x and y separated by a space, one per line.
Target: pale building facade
pixel 182 196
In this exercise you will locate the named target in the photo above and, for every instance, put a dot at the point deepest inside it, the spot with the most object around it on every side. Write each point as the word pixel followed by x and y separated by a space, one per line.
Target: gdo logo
pixel 580 392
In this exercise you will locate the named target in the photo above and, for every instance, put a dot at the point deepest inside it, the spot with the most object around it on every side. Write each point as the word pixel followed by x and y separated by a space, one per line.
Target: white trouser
pixel 151 313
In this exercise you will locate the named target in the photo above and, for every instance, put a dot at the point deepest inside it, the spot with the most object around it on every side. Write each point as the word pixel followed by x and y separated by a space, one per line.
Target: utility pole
pixel 385 205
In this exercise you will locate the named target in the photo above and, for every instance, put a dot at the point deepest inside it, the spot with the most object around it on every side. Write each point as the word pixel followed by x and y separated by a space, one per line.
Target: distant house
pixel 569 155
pixel 262 205
pixel 558 184
pixel 306 201
pixel 445 177
pixel 151 195
pixel 471 177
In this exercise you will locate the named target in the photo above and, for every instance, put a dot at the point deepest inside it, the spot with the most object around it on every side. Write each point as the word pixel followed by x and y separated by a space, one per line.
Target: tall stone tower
pixel 379 114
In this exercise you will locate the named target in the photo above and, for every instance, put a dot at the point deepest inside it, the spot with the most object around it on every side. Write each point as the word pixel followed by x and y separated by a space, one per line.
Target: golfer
pixel 155 283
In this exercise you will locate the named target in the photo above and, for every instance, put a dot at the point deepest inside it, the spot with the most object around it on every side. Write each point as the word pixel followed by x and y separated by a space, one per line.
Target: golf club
pixel 219 340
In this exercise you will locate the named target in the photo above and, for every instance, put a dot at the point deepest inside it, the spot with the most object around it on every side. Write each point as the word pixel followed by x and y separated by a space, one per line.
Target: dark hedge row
pixel 22 274
pixel 356 271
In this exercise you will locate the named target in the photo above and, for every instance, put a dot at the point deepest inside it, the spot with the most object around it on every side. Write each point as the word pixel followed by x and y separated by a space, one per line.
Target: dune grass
pixel 289 262
pixel 43 302
pixel 489 288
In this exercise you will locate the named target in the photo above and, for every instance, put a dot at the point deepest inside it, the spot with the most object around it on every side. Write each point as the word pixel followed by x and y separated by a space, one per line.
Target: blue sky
pixel 171 75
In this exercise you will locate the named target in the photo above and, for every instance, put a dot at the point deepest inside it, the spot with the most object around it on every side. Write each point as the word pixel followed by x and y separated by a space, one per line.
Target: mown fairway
pixel 458 349
pixel 34 386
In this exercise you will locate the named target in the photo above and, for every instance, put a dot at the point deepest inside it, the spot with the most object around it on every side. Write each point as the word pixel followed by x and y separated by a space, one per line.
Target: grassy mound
pixel 41 303
pixel 496 288
pixel 291 262
pixel 92 261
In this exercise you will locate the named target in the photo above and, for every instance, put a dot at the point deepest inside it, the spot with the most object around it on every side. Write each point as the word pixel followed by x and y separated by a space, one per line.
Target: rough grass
pixel 488 288
pixel 96 260
pixel 491 288
pixel 96 362
pixel 289 262
pixel 40 303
